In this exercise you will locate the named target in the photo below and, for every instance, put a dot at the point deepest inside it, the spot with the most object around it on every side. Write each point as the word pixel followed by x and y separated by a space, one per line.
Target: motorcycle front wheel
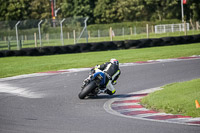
pixel 85 91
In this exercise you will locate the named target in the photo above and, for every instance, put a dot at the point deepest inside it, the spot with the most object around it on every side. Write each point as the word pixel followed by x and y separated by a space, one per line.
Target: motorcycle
pixel 94 86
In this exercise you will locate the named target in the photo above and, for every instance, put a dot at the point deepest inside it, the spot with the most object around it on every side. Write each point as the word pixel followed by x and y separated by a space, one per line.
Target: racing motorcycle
pixel 94 86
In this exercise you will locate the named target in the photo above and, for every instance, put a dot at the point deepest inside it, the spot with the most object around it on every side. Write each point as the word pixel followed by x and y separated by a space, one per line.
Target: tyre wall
pixel 102 46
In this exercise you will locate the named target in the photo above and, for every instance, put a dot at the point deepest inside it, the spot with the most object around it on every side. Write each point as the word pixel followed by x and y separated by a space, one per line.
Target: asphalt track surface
pixel 50 104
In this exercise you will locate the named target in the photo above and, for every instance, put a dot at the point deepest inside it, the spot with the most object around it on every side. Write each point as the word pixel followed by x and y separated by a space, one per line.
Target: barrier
pixel 102 46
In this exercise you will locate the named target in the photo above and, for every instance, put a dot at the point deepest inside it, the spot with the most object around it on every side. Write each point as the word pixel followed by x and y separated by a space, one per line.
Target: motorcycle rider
pixel 112 72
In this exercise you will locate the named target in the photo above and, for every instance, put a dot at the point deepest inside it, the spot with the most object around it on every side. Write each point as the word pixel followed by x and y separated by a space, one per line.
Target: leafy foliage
pixel 101 11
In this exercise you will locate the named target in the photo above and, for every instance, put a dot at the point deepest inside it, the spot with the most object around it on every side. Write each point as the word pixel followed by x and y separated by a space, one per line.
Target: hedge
pixel 102 46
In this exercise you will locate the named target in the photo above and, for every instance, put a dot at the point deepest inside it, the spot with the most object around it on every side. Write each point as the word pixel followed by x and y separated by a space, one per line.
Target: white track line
pixel 16 91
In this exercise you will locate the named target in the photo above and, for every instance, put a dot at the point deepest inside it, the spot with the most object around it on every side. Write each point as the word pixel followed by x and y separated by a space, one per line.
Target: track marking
pixel 129 106
pixel 16 91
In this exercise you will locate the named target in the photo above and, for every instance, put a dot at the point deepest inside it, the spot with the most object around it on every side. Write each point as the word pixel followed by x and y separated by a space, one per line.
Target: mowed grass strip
pixel 11 66
pixel 176 98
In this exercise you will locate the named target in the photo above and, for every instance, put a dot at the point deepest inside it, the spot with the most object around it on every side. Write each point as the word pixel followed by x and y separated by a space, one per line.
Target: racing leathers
pixel 112 73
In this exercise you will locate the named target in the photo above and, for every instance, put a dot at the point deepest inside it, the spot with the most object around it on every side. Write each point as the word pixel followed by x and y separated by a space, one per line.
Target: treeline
pixel 101 11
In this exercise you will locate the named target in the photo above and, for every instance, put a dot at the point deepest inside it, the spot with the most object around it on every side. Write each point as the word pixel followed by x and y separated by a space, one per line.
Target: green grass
pixel 11 66
pixel 176 98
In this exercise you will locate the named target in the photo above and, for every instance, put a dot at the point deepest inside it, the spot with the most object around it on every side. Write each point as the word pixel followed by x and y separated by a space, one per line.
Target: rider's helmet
pixel 114 61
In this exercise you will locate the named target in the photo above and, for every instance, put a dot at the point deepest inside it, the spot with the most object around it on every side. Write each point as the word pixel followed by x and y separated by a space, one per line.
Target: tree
pixel 40 9
pixel 83 8
pixel 3 9
pixel 15 10
pixel 130 10
pixel 104 11
pixel 191 10
pixel 162 9
pixel 101 11
pixel 67 7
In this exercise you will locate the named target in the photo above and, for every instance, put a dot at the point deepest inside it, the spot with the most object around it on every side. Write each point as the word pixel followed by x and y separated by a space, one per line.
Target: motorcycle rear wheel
pixel 85 91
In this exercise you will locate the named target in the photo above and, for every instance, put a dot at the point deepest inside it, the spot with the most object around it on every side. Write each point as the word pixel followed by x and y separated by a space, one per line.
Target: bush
pixel 130 24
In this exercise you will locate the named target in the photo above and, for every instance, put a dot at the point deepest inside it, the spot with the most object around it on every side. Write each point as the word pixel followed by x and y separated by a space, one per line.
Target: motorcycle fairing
pixel 102 76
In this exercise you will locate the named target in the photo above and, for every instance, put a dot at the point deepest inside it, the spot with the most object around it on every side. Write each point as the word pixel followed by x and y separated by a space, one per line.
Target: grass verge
pixel 11 66
pixel 176 98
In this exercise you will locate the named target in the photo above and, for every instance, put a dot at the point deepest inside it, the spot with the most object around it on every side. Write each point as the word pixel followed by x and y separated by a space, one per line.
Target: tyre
pixel 144 43
pixel 85 91
pixel 97 47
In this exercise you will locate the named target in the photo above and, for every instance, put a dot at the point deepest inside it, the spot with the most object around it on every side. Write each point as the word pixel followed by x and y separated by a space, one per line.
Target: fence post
pixel 110 32
pixel 99 34
pixel 20 44
pixel 5 38
pixel 35 38
pixel 131 30
pixel 68 35
pixel 164 28
pixel 61 32
pixel 172 26
pixel 25 37
pixel 40 33
pixel 89 34
pixel 123 31
pixel 9 46
pixel 48 37
pixel 84 29
pixel 152 28
pixel 147 27
pixel 185 27
pixel 135 31
pixel 74 33
pixel 197 25
pixel 17 34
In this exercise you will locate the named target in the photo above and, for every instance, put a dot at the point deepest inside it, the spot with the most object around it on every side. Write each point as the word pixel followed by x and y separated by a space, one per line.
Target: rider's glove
pixel 92 71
